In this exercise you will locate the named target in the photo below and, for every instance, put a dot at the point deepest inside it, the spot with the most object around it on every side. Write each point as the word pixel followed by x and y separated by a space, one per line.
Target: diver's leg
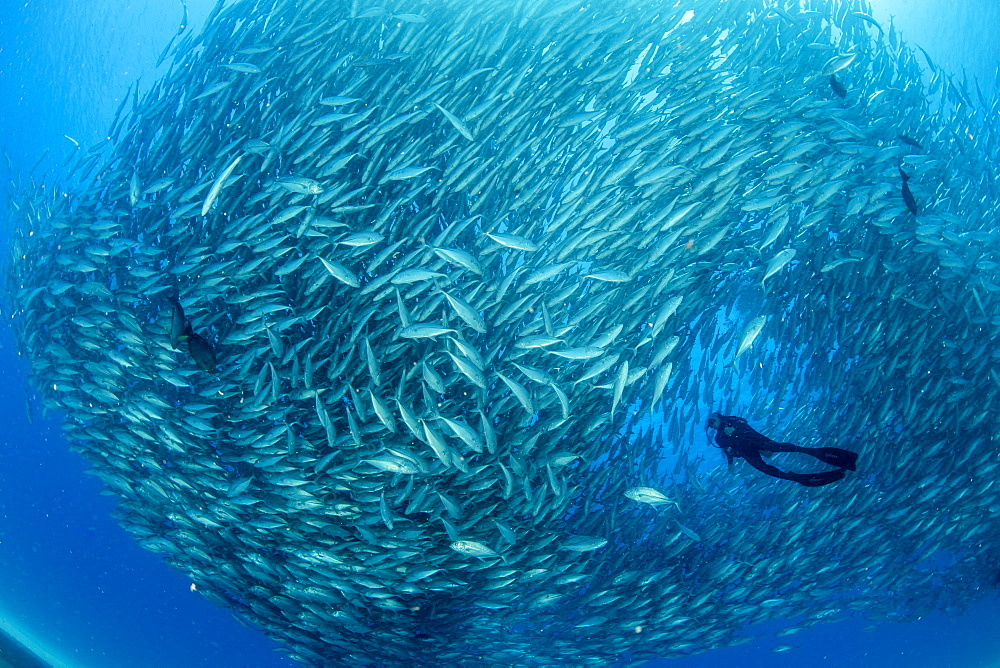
pixel 756 461
pixel 842 459
pixel 786 447
pixel 807 479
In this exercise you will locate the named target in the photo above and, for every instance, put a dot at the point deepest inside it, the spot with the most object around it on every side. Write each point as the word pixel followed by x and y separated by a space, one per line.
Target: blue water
pixel 78 585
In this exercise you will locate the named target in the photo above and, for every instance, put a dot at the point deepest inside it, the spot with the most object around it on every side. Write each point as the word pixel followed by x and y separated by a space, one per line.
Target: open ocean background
pixel 76 587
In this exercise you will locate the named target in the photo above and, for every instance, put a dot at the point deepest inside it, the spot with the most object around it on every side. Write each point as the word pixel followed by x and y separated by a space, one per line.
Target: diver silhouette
pixel 738 439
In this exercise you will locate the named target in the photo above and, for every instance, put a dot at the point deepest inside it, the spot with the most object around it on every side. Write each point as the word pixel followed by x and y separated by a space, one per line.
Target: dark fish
pixel 200 349
pixel 911 202
pixel 837 87
pixel 909 141
pixel 177 323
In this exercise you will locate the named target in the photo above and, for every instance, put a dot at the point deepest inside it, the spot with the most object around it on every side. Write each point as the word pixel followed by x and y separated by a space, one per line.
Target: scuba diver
pixel 739 439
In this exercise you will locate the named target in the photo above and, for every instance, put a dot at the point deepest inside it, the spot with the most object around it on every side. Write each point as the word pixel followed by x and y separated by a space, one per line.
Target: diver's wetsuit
pixel 739 439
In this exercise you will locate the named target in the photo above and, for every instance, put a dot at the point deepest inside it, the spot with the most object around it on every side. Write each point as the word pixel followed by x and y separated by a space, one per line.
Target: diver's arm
pixel 722 441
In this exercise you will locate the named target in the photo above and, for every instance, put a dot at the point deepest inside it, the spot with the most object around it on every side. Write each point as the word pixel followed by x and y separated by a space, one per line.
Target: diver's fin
pixel 817 479
pixel 842 459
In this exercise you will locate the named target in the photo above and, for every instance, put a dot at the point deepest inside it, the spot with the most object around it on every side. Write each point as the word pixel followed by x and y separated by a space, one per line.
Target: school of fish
pixel 394 325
